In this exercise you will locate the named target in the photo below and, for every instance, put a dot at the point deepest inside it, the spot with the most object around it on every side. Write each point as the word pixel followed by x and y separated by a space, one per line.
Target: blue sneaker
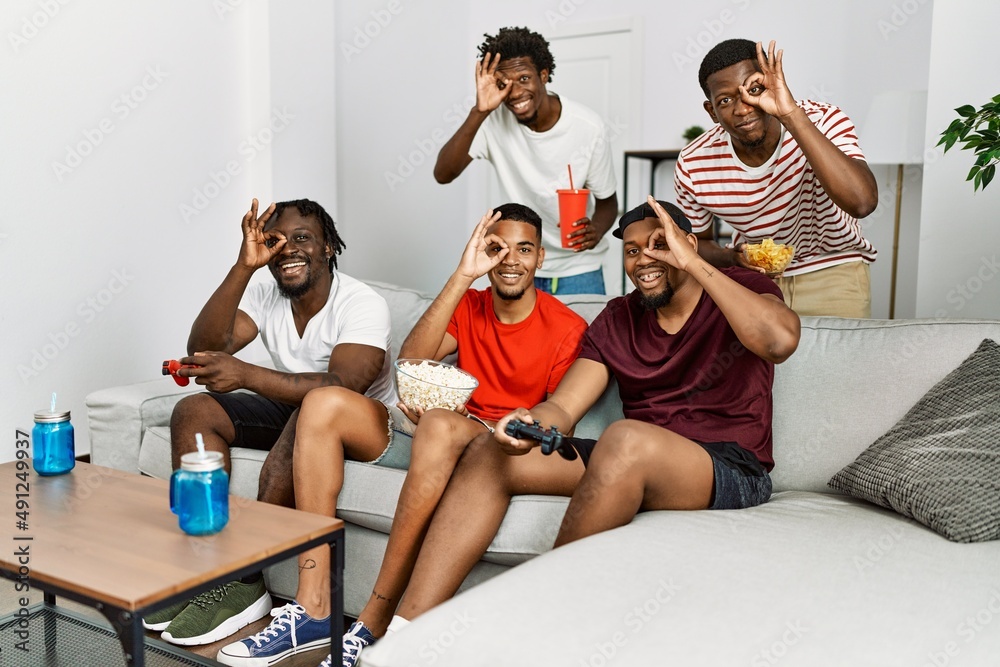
pixel 292 631
pixel 356 638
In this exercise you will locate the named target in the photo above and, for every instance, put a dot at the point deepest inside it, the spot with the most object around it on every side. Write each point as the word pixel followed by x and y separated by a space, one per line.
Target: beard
pixel 658 300
pixel 301 289
pixel 753 143
pixel 511 296
pixel 529 120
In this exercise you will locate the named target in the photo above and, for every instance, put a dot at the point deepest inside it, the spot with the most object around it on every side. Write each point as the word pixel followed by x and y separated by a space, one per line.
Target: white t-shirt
pixel 781 199
pixel 531 166
pixel 354 313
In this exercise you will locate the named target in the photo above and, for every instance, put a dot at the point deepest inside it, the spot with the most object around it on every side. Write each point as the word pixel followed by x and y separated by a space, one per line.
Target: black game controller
pixel 551 440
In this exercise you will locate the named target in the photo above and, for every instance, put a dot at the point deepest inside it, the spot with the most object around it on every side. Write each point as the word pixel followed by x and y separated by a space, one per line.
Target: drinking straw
pixel 569 168
pixel 201 445
pixel 53 407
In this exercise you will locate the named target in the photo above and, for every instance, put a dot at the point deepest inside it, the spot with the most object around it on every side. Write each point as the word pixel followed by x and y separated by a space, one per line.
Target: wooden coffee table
pixel 107 539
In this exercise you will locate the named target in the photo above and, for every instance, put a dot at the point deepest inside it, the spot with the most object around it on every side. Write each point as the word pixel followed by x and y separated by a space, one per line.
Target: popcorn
pixel 431 384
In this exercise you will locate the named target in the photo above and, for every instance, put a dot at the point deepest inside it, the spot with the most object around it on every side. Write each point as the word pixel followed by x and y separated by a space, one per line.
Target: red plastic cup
pixel 572 207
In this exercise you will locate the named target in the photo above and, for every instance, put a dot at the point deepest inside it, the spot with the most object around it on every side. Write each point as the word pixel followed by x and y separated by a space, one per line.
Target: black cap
pixel 646 211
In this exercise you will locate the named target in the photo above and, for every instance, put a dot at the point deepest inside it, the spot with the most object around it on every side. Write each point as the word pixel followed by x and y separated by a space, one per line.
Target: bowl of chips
pixel 431 384
pixel 768 255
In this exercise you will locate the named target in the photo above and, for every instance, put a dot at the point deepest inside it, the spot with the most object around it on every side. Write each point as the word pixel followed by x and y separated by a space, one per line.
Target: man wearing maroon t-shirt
pixel 692 437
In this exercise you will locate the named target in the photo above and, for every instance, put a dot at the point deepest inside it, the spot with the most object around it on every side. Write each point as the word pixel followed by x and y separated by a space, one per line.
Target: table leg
pixel 337 597
pixel 128 626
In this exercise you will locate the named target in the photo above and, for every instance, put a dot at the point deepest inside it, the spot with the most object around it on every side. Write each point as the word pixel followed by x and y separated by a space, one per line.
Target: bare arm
pixel 353 366
pixel 716 255
pixel 221 325
pixel 579 389
pixel 491 91
pixel 762 322
pixel 429 338
pixel 849 182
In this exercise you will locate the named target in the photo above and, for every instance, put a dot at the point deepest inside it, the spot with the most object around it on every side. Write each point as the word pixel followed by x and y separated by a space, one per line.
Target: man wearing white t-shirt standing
pixel 320 327
pixel 774 168
pixel 530 136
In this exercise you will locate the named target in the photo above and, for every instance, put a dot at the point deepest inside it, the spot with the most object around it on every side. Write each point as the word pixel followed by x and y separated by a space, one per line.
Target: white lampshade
pixel 893 131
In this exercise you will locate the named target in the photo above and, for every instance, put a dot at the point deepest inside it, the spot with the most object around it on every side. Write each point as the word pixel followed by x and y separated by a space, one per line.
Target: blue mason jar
pixel 53 450
pixel 199 493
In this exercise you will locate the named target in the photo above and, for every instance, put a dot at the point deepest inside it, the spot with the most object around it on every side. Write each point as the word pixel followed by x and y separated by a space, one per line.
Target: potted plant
pixel 692 133
pixel 978 129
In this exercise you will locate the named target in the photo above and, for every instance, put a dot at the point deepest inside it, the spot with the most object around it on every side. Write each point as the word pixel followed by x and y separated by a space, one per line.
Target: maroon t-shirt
pixel 700 382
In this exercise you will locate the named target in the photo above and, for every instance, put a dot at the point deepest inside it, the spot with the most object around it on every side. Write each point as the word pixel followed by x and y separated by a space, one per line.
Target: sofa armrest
pixel 120 415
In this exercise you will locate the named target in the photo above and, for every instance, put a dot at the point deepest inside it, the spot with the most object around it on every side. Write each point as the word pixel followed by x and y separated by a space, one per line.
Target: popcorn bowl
pixel 431 384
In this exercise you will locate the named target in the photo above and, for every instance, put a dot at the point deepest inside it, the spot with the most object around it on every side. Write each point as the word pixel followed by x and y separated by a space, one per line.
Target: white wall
pixel 960 230
pixel 397 99
pixel 104 268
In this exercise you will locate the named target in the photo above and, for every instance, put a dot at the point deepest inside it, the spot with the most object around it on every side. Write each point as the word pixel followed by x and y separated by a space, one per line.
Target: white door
pixel 597 65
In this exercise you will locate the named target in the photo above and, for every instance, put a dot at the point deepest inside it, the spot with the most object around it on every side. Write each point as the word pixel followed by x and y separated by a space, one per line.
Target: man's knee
pixel 326 403
pixel 198 412
pixel 624 445
pixel 443 430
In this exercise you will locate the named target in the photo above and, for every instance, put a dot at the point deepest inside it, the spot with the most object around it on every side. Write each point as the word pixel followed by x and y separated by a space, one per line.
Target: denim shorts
pixel 583 283
pixel 397 453
pixel 740 479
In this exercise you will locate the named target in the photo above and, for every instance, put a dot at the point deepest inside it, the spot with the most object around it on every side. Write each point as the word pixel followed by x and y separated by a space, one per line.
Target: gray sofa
pixel 810 578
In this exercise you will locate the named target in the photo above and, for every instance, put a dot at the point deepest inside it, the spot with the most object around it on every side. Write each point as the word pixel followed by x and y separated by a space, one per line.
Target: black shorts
pixel 258 420
pixel 740 479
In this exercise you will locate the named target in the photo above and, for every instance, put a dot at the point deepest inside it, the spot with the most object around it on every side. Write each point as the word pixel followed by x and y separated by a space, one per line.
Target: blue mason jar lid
pixel 49 417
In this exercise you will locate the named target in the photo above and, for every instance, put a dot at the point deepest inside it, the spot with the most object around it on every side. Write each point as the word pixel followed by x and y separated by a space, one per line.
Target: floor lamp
pixel 893 134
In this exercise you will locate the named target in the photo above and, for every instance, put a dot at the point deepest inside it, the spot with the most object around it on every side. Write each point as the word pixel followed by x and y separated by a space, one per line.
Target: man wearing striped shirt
pixel 774 168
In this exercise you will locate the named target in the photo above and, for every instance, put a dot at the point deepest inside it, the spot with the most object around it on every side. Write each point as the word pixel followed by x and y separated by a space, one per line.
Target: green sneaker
pixel 218 613
pixel 159 620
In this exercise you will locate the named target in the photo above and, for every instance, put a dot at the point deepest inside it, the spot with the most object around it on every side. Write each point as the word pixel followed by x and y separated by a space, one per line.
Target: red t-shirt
pixel 517 365
pixel 700 382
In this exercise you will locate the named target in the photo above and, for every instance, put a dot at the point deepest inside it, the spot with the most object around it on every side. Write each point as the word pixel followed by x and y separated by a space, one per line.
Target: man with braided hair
pixel 530 135
pixel 321 328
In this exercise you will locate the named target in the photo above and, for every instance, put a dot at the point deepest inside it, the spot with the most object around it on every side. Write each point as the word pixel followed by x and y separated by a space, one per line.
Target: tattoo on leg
pixel 309 565
pixel 379 596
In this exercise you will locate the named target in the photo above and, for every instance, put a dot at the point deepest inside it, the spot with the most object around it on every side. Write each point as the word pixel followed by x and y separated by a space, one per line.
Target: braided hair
pixel 519 43
pixel 308 208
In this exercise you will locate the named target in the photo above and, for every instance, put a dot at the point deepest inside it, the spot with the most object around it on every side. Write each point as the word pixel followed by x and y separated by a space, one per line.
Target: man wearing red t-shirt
pixel 516 340
pixel 692 437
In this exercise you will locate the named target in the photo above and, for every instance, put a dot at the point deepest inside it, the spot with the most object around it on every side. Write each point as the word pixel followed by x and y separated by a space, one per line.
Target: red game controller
pixel 171 366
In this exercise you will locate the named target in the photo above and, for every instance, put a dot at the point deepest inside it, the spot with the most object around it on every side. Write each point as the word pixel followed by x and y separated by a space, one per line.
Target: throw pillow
pixel 940 464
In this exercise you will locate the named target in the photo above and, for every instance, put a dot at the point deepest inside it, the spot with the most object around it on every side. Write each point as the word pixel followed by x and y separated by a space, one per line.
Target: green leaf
pixel 950 141
pixel 996 99
pixel 972 173
pixel 988 175
pixel 977 181
pixel 966 110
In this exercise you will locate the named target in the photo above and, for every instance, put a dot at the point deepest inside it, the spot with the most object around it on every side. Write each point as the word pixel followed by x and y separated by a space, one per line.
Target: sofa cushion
pixel 804 579
pixel 849 381
pixel 940 463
